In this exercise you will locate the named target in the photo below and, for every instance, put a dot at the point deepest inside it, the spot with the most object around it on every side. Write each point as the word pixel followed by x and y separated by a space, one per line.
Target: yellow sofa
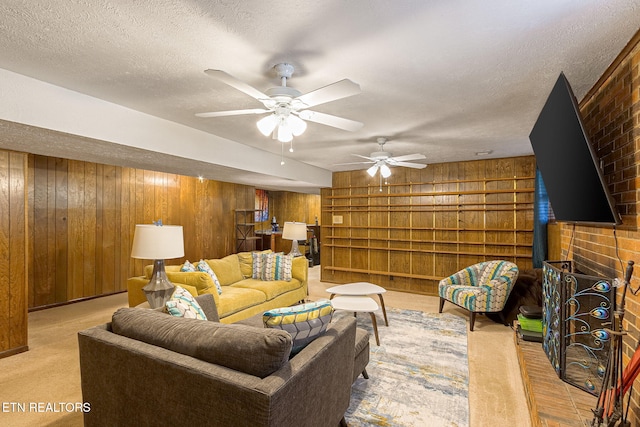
pixel 242 297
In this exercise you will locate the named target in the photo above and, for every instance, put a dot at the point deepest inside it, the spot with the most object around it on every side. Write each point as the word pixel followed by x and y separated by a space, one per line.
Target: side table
pixel 361 289
pixel 358 304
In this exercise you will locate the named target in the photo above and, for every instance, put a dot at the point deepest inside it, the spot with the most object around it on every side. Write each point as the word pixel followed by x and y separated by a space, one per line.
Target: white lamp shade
pixel 372 170
pixel 157 242
pixel 385 171
pixel 294 231
pixel 266 125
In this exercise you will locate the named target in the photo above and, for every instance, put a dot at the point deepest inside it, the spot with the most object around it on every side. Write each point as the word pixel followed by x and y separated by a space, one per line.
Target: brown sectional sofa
pixel 242 297
pixel 148 368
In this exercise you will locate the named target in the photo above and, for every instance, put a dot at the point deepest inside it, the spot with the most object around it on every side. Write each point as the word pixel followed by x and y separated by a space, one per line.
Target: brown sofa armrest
pixel 322 372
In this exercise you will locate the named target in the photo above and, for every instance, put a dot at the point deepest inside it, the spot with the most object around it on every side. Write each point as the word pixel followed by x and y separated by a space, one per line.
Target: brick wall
pixel 611 113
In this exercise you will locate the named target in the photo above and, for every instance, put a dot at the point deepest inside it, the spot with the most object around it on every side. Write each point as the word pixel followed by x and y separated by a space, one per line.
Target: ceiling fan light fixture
pixel 385 171
pixel 372 170
pixel 267 125
pixel 285 133
pixel 298 126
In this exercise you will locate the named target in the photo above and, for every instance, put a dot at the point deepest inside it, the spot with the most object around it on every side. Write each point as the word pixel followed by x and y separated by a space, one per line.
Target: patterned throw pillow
pixel 276 266
pixel 256 267
pixel 204 267
pixel 182 304
pixel 188 267
pixel 305 322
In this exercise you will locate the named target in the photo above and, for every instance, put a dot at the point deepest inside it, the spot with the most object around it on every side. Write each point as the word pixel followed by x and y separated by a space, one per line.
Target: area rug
pixel 418 376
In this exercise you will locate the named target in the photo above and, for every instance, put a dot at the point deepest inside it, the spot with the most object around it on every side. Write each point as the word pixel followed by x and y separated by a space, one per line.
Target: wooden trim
pixel 435 251
pixel 63 303
pixel 14 351
pixel 383 273
pixel 432 193
pixel 451 181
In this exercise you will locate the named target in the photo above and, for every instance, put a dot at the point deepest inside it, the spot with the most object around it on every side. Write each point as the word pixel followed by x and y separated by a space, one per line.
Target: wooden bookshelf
pixel 426 225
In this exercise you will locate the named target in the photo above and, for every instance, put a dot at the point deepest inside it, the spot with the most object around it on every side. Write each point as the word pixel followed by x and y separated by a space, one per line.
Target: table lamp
pixel 294 231
pixel 158 242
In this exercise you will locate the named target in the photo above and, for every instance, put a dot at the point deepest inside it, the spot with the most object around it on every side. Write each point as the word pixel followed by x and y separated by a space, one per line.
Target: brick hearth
pixel 552 402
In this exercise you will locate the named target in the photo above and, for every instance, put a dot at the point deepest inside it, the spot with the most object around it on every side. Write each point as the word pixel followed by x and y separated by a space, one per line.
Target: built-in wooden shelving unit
pixel 409 234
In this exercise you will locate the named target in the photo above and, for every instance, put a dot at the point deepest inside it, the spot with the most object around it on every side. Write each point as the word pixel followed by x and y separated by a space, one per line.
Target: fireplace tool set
pixel 610 409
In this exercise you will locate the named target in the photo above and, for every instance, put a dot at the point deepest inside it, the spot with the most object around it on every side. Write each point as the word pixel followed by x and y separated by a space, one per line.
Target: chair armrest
pixel 461 278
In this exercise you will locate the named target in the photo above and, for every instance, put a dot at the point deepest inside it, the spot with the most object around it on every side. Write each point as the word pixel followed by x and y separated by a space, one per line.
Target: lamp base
pixel 295 250
pixel 159 289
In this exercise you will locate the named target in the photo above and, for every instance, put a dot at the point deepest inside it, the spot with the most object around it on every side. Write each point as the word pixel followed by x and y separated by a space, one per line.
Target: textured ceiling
pixel 445 78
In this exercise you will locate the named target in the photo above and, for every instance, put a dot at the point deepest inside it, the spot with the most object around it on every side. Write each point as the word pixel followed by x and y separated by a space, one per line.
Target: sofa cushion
pixel 237 299
pixel 205 268
pixel 246 262
pixel 199 280
pixel 208 306
pixel 227 269
pixel 182 304
pixel 270 289
pixel 258 352
pixel 305 322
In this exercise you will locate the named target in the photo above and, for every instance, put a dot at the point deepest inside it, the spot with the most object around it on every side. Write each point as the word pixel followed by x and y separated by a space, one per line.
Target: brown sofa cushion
pixel 258 352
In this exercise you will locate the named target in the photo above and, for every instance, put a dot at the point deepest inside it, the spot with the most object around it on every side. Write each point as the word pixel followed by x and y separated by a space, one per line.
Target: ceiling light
pixel 282 125
pixel 372 170
pixel 298 126
pixel 284 132
pixel 267 125
pixel 385 171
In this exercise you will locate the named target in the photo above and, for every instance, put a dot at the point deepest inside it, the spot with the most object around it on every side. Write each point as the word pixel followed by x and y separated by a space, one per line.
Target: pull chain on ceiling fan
pixel 287 106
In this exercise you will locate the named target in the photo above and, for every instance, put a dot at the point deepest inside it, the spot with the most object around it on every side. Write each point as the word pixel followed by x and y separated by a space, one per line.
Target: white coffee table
pixel 361 289
pixel 358 304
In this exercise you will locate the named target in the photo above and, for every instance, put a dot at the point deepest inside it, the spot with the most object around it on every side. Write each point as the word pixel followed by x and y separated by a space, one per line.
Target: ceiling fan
pixel 287 106
pixel 382 160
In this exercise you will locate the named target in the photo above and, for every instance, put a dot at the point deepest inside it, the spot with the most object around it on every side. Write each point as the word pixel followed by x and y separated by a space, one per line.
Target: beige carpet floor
pixel 47 377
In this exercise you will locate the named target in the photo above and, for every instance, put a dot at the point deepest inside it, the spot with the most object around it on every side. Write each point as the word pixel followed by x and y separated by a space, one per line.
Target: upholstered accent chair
pixel 480 288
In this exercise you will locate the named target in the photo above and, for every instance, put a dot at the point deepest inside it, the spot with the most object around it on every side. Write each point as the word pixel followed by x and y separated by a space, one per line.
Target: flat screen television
pixel 567 162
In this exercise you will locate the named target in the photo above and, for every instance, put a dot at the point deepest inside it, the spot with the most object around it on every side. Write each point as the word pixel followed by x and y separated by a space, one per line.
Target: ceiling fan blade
pixel 353 163
pixel 408 165
pixel 237 84
pixel 364 157
pixel 233 112
pixel 409 157
pixel 332 92
pixel 329 120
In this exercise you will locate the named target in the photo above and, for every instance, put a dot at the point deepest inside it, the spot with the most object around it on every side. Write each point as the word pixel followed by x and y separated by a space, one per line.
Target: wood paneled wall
pixel 423 225
pixel 82 218
pixel 13 253
pixel 288 206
